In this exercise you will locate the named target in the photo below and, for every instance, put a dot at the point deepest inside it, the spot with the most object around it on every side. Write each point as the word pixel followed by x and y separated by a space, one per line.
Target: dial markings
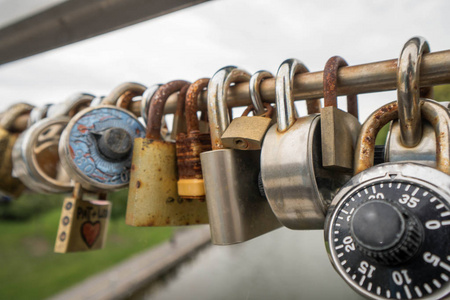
pixel 445 214
pixel 415 192
pixel 445 223
pixel 343 262
pixel 378 290
pixel 443 265
pixel 427 288
pixel 381 185
pixel 439 206
pixel 398 295
pixel 418 291
pixel 341 254
pixel 353 199
pixel 344 211
pixel 407 292
pixel 346 204
pixel 336 240
pixel 337 224
pixel 407 187
pixel 341 218
pixel 361 282
pixel 353 276
pixel 399 185
pixel 348 269
pixel 390 184
pixel 336 232
pixel 339 247
pixel 425 193
pixel 369 286
pixel 436 283
pixel 365 191
pixel 444 277
pixel 359 195
pixel 388 294
pixel 374 190
pixel 433 199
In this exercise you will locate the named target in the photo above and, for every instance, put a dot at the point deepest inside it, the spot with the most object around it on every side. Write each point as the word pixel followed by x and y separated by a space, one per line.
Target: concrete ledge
pixel 130 276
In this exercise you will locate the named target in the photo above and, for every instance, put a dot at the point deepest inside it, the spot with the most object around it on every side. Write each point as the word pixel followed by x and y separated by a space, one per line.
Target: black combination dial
pixel 389 237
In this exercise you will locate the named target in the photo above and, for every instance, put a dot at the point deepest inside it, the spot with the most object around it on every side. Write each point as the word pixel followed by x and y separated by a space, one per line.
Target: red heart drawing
pixel 90 232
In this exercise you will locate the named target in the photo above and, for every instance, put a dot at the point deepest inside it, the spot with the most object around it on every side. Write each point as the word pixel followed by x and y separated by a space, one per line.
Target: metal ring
pixel 408 92
pixel 284 83
pixel 38 113
pixel 255 94
pixel 218 115
pixel 70 106
pixel 118 91
pixel 146 99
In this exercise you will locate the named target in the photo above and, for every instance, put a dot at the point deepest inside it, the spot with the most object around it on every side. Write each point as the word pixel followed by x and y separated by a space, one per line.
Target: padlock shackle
pixel 124 92
pixel 330 82
pixel 408 92
pixel 268 112
pixel 71 106
pixel 12 113
pixel 437 115
pixel 219 117
pixel 284 86
pixel 192 95
pixel 156 110
pixel 146 100
pixel 255 94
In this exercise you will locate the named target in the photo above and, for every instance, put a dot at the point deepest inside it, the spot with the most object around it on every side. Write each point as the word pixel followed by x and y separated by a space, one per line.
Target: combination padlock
pixel 339 128
pixel 295 183
pixel 153 198
pixel 388 229
pixel 10 186
pixel 247 133
pixel 36 161
pixel 83 224
pixel 237 212
pixel 96 147
pixel 189 146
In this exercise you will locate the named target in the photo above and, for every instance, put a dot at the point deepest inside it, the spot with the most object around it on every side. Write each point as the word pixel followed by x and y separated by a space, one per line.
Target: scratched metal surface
pixel 283 264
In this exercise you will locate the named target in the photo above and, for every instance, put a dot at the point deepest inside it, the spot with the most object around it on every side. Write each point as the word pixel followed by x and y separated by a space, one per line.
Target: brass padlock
pixel 10 186
pixel 237 211
pixel 153 197
pixel 83 224
pixel 339 129
pixel 247 133
pixel 189 146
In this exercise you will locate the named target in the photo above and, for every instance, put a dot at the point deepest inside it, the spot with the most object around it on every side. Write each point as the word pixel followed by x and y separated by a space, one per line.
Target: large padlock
pixel 189 146
pixel 153 197
pixel 96 147
pixel 339 129
pixel 237 211
pixel 388 229
pixel 247 133
pixel 10 186
pixel 296 185
pixel 37 162
pixel 83 223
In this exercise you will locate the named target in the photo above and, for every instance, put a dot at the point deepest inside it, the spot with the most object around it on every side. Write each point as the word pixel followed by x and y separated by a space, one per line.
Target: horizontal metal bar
pixel 359 79
pixel 73 21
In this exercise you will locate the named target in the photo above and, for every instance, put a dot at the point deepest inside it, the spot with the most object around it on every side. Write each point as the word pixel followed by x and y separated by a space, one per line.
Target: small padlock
pixel 153 197
pixel 339 129
pixel 297 186
pixel 247 133
pixel 36 160
pixel 237 212
pixel 189 146
pixel 10 186
pixel 83 224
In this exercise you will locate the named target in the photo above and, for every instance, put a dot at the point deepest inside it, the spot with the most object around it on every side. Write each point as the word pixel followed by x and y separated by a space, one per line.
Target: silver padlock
pixel 35 155
pixel 297 187
pixel 237 212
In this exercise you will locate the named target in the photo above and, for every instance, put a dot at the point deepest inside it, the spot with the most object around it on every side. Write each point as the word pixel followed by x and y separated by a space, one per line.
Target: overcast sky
pixel 197 41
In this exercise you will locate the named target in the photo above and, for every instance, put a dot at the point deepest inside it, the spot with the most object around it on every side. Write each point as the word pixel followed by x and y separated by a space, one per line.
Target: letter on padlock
pixel 297 187
pixel 153 198
pixel 10 186
pixel 83 224
pixel 339 129
pixel 189 147
pixel 247 133
pixel 237 211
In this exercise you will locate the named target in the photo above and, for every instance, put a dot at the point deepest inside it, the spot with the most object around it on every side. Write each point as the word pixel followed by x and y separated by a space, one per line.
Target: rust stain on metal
pixel 192 96
pixel 138 184
pixel 126 98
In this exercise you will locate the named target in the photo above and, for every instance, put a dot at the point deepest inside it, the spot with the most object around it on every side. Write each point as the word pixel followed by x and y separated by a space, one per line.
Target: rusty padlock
pixel 189 146
pixel 10 186
pixel 83 223
pixel 153 197
pixel 339 129
pixel 247 133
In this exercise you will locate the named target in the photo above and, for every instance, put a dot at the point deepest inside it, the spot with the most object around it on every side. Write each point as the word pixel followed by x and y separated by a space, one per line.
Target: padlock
pixel 35 155
pixel 10 186
pixel 237 212
pixel 83 224
pixel 295 183
pixel 153 197
pixel 189 146
pixel 339 129
pixel 388 229
pixel 96 147
pixel 247 133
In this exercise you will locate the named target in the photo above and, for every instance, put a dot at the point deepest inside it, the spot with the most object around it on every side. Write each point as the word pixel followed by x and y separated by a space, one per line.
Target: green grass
pixel 30 270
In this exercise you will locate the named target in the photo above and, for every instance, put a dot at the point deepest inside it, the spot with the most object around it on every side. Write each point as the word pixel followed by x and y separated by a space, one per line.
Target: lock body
pixel 83 225
pixel 246 133
pixel 237 211
pixel 9 185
